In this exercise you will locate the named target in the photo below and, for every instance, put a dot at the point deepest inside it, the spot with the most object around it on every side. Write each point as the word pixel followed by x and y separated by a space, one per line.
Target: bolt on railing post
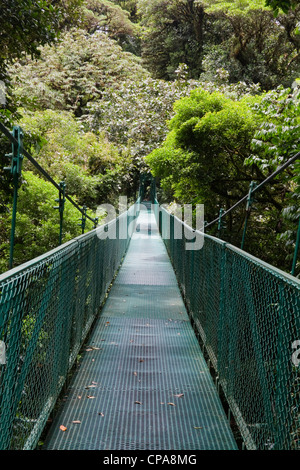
pixel 248 211
pixel 96 220
pixel 296 250
pixel 16 170
pixel 61 200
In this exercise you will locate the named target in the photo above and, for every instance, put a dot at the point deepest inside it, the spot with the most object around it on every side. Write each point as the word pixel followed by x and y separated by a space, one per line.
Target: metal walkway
pixel 142 383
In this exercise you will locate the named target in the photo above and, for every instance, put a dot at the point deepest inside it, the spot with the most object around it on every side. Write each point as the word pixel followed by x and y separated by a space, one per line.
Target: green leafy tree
pixel 69 154
pixel 134 116
pixel 275 141
pixel 93 169
pixel 173 34
pixel 74 73
pixel 27 24
pixel 202 157
pixel 130 6
pixel 114 20
pixel 284 5
pixel 37 226
pixel 258 47
pixel 244 38
pixel 210 157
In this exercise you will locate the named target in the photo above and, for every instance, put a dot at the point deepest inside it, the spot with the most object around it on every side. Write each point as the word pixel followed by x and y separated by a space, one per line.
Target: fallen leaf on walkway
pixel 179 395
pixel 138 402
pixel 62 428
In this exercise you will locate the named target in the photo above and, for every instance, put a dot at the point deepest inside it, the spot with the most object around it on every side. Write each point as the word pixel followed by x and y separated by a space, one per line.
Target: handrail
pixel 256 188
pixel 249 199
pixel 278 272
pixel 246 315
pixel 47 307
pixel 7 133
pixel 18 152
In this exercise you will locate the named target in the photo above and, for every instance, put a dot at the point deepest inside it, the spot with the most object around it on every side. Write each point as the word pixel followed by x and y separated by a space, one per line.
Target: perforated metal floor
pixel 142 383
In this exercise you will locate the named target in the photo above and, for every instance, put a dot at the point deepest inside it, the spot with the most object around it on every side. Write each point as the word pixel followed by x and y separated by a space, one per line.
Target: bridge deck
pixel 142 383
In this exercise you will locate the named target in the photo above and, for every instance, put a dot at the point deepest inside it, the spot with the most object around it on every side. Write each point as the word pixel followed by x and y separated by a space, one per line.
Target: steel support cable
pixel 258 187
pixel 7 133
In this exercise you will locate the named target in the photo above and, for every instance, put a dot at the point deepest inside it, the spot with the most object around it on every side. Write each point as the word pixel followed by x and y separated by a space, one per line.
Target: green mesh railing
pixel 47 307
pixel 247 314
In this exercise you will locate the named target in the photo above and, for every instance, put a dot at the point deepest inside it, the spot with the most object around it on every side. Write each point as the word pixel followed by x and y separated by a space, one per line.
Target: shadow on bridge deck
pixel 142 383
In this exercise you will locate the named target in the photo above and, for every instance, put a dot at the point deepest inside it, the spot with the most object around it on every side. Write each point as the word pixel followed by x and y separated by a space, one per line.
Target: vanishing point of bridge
pixel 141 382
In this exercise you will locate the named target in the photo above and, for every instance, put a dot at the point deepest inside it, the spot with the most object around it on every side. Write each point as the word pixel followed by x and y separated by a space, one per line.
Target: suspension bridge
pixel 166 336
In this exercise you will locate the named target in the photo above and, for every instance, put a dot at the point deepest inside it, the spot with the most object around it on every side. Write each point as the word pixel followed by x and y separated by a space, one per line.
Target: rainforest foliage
pixel 204 94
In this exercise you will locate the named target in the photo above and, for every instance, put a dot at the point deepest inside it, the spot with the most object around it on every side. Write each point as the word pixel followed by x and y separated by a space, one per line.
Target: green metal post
pixel 248 211
pixel 15 169
pixel 83 219
pixel 153 190
pixel 13 223
pixel 61 200
pixel 296 250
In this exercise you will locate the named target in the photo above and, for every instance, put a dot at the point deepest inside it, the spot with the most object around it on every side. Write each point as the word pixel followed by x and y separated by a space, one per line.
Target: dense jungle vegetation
pixel 204 94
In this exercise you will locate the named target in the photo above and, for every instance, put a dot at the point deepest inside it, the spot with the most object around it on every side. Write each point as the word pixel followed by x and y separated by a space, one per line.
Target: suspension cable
pixel 7 133
pixel 259 186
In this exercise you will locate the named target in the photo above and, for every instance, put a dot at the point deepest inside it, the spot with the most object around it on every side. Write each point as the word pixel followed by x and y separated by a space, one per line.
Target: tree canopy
pixel 284 5
pixel 27 24
pixel 202 93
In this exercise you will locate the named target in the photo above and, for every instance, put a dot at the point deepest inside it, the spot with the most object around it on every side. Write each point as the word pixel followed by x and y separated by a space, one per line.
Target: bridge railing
pixel 47 307
pixel 247 314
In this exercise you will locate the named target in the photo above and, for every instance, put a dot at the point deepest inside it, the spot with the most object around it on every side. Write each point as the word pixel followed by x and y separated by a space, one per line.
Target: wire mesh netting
pixel 150 388
pixel 248 316
pixel 47 307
